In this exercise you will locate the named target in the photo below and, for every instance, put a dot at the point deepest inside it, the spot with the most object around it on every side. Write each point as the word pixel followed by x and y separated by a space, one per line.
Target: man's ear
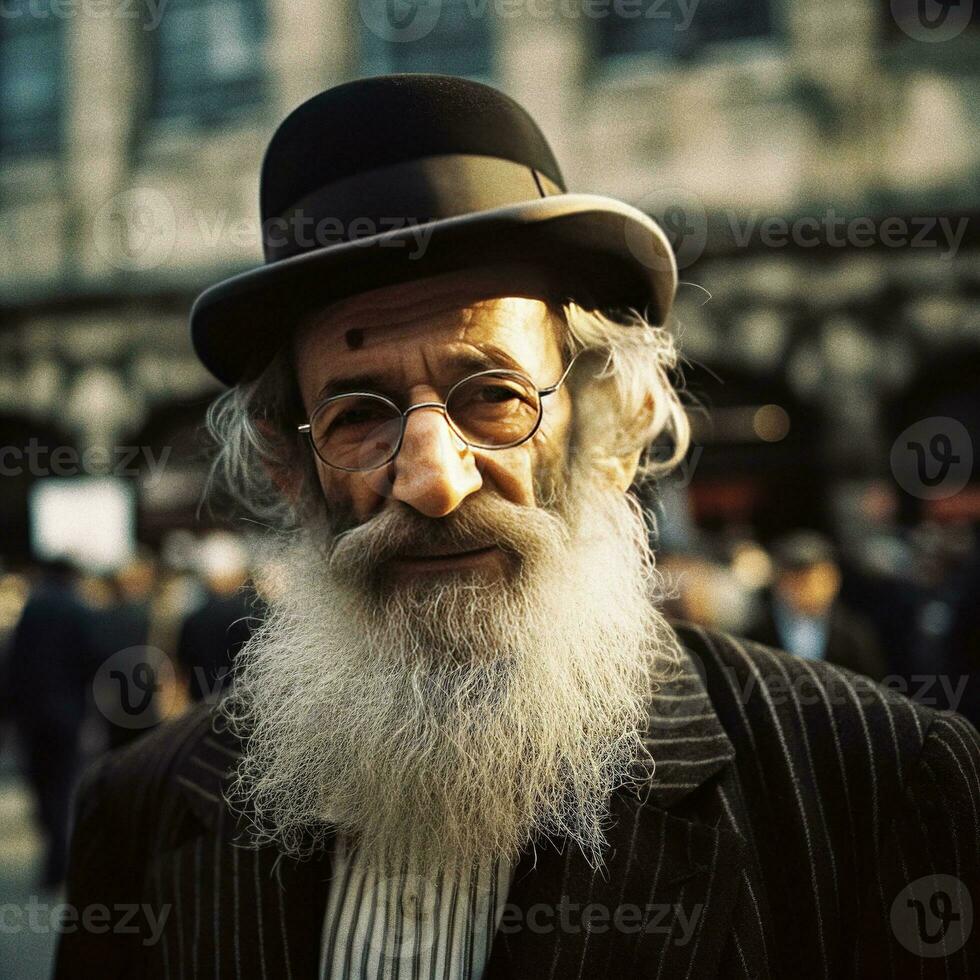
pixel 287 479
pixel 599 418
pixel 622 469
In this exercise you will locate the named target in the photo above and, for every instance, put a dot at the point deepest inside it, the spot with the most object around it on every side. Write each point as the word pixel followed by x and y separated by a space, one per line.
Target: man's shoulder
pixel 795 721
pixel 142 774
pixel 742 670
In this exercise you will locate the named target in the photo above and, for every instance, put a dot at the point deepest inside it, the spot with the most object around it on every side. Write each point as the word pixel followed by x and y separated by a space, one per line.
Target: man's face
pixel 412 343
pixel 452 708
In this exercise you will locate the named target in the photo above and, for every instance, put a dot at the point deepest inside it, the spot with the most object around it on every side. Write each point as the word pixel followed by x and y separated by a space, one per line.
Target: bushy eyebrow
pixel 474 358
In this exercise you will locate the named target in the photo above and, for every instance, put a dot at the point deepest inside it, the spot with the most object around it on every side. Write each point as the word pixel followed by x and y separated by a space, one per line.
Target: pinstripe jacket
pixel 800 823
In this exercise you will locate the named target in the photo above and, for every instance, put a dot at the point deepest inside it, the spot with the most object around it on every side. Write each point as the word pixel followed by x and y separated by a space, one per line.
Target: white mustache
pixel 526 533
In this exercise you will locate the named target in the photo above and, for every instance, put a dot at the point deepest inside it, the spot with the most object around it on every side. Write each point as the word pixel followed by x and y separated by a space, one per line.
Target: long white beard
pixel 455 719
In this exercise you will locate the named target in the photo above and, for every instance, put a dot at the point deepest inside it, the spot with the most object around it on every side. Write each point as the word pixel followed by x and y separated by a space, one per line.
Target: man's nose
pixel 435 470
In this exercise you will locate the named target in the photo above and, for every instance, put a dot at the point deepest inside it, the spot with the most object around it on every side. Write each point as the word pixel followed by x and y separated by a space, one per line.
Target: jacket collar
pixel 204 774
pixel 684 736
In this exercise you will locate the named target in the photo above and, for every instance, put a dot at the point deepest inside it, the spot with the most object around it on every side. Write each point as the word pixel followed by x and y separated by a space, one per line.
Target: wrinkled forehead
pixel 447 311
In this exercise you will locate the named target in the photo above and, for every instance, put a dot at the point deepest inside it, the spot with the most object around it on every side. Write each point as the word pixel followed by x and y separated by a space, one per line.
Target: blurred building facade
pixel 817 164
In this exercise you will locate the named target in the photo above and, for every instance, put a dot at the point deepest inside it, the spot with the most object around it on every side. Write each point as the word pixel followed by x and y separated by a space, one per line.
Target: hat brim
pixel 595 250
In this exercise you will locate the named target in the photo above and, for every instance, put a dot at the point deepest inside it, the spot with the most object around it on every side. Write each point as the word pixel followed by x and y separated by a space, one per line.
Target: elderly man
pixel 465 743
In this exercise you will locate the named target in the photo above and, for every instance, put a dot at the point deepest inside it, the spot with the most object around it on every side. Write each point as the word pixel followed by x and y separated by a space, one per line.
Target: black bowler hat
pixel 399 177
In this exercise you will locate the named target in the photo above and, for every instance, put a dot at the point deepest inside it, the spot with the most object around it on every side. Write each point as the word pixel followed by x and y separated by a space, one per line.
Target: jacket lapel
pixel 270 907
pixel 661 907
pixel 662 904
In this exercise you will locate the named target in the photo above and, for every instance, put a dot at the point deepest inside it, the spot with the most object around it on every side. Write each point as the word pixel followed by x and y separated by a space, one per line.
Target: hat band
pixel 390 198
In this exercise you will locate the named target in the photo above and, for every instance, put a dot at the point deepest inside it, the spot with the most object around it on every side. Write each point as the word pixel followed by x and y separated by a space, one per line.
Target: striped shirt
pixel 407 927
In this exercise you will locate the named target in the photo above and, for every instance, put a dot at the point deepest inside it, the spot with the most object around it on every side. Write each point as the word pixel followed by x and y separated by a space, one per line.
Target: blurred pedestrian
pixel 216 631
pixel 52 659
pixel 122 629
pixel 802 612
pixel 944 638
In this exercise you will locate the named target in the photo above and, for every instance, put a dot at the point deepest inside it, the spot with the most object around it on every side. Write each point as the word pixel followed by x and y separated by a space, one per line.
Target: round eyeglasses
pixel 362 430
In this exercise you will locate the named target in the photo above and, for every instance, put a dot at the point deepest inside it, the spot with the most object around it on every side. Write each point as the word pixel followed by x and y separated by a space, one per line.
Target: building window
pixel 208 63
pixel 451 38
pixel 680 31
pixel 31 78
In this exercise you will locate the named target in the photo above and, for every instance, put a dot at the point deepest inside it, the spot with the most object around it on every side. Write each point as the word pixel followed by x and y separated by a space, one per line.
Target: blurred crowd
pixel 900 608
pixel 91 661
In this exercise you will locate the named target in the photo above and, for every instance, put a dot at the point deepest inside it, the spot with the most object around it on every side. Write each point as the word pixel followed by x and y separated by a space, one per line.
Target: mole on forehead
pixel 363 338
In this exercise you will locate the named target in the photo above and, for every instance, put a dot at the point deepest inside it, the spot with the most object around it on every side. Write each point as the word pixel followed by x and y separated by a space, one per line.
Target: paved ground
pixel 27 939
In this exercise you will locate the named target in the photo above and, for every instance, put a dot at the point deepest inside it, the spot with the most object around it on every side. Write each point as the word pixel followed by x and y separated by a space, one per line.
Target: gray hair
pixel 625 405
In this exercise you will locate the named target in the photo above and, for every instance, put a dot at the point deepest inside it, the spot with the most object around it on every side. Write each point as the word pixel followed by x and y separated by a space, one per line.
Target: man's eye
pixel 496 393
pixel 359 416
